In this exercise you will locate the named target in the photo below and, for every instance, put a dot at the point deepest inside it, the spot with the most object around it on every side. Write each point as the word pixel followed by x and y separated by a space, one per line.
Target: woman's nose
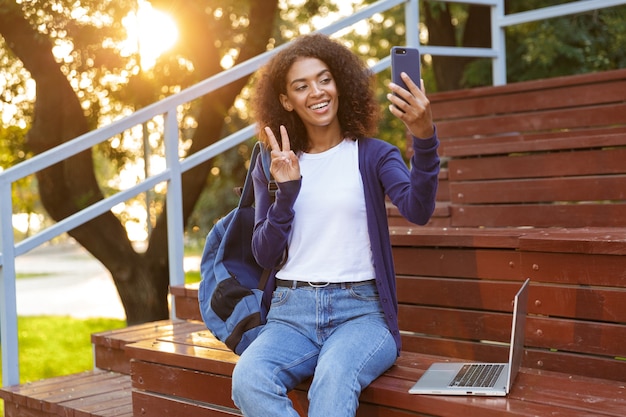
pixel 316 90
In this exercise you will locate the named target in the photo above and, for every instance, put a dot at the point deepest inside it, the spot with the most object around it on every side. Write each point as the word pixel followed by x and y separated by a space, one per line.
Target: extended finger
pixel 399 102
pixel 272 139
pixel 413 88
pixel 285 139
pixel 401 92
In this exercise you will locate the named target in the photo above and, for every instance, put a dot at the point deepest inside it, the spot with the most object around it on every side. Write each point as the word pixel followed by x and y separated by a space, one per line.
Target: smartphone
pixel 405 59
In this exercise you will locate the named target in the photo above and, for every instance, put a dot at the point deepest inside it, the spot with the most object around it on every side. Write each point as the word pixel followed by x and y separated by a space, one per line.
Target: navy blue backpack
pixel 231 290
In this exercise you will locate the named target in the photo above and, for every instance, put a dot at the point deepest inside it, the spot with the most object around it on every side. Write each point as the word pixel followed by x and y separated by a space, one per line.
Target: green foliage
pixel 12 146
pixel 577 44
pixel 12 152
pixel 219 196
pixel 477 73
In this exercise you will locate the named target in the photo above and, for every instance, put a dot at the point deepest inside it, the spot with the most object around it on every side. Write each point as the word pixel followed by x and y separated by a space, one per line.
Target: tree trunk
pixel 449 70
pixel 141 279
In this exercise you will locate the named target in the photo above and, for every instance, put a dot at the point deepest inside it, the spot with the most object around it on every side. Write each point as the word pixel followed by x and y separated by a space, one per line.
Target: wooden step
pixel 186 301
pixel 96 393
pixel 402 236
pixel 152 405
pixel 110 346
pixel 170 377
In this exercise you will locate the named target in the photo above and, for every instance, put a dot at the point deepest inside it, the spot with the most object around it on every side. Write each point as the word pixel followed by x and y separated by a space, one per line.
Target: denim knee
pixel 245 379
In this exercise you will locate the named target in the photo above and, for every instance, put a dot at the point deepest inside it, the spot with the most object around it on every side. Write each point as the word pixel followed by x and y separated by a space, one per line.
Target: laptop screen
pixel 516 351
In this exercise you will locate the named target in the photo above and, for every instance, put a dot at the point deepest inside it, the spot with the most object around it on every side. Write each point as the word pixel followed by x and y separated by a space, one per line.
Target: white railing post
pixel 498 43
pixel 8 312
pixel 174 202
pixel 412 23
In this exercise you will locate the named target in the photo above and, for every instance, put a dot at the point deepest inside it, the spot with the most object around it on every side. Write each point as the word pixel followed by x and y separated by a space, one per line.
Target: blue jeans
pixel 336 334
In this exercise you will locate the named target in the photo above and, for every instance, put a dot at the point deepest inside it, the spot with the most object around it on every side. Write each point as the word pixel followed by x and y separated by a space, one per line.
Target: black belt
pixel 299 284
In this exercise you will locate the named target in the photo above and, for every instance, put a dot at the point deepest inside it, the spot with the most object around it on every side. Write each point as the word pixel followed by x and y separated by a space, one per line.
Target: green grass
pixel 52 346
pixel 192 277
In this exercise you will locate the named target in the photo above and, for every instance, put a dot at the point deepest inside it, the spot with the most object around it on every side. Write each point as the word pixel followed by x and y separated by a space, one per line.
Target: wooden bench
pixel 534 187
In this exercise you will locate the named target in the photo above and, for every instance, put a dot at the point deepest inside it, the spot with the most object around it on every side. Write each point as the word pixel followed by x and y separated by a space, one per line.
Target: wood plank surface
pixel 148 404
pixel 190 384
pixel 539 215
pixel 453 262
pixel 592 138
pixel 110 346
pixel 552 93
pixel 427 236
pixel 187 307
pixel 592 270
pixel 553 164
pixel 95 393
pixel 199 357
pixel 600 240
pixel 534 392
pixel 544 121
pixel 563 189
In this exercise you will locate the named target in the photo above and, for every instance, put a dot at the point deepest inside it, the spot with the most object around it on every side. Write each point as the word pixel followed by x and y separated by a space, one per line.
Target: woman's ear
pixel 284 100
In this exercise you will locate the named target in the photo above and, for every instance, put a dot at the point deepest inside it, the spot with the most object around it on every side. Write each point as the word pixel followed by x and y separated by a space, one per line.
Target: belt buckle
pixel 318 284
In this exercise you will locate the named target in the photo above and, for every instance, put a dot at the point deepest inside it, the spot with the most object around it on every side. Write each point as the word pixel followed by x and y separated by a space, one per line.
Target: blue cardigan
pixel 384 172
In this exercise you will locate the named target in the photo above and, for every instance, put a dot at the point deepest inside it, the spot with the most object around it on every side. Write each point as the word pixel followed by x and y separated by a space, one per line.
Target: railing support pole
pixel 498 43
pixel 412 23
pixel 174 201
pixel 8 295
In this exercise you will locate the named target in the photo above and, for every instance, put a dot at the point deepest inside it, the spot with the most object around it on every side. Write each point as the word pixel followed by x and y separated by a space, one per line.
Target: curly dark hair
pixel 358 111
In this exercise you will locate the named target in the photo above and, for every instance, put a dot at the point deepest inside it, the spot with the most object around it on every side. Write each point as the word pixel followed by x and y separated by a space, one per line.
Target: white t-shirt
pixel 329 241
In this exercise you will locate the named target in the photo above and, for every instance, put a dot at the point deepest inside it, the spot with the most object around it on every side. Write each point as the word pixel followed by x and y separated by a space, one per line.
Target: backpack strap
pixel 266 161
pixel 247 192
pixel 246 198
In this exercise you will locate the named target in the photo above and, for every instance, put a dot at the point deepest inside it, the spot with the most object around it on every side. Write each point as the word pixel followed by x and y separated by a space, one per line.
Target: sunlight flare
pixel 150 33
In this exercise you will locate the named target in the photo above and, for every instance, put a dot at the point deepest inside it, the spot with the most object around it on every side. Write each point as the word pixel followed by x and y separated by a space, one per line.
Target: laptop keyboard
pixel 477 375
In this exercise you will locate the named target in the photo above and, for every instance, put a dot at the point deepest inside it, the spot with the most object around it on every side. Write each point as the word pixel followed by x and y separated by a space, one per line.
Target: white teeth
pixel 319 105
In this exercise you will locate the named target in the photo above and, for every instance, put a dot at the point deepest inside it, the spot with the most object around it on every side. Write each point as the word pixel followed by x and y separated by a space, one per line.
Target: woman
pixel 333 314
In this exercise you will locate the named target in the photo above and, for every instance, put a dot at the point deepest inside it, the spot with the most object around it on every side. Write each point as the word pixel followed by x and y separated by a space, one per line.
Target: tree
pixel 455 25
pixel 30 31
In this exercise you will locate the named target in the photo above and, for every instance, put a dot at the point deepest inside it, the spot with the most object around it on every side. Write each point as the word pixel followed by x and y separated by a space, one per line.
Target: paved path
pixel 64 279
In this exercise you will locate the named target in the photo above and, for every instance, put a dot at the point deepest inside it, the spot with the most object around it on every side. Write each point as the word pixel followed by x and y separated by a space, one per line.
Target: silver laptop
pixel 476 378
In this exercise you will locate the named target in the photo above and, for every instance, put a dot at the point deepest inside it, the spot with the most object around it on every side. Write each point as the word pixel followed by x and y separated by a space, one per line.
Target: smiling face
pixel 312 93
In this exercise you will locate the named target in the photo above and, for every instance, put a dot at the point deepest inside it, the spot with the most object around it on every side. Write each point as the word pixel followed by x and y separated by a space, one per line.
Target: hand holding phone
pixel 405 59
pixel 415 111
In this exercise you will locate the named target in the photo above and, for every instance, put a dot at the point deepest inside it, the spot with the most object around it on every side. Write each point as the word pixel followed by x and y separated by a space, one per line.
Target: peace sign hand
pixel 285 165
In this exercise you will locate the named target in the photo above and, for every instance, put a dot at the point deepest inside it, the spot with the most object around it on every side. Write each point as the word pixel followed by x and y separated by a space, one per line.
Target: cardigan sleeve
pixel 414 191
pixel 273 219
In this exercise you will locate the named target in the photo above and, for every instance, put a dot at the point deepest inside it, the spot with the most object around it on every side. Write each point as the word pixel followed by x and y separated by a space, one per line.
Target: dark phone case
pixel 405 59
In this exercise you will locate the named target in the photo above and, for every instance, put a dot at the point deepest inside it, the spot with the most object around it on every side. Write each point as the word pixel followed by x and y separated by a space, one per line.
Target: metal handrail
pixel 167 107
